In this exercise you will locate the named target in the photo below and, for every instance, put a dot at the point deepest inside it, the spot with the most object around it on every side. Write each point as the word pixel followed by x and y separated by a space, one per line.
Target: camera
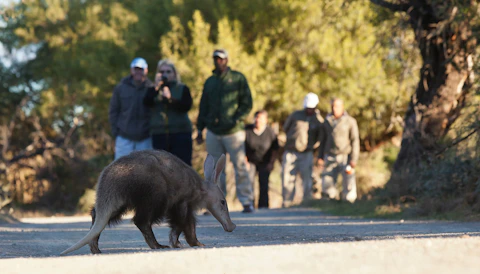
pixel 161 83
pixel 164 81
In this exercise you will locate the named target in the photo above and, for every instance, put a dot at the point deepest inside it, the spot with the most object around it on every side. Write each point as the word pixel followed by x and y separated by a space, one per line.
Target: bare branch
pixel 391 6
pixel 458 141
pixel 5 202
pixel 26 155
pixel 76 120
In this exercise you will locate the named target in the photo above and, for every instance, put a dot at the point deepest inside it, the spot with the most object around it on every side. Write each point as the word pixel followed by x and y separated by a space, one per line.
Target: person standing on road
pixel 341 153
pixel 170 100
pixel 225 103
pixel 129 118
pixel 305 132
pixel 261 145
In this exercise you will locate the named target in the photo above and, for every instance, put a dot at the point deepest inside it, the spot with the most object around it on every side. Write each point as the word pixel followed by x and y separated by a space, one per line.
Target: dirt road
pixel 269 241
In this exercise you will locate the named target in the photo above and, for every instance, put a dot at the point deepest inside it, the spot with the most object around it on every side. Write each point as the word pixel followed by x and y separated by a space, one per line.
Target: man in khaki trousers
pixel 341 152
pixel 305 132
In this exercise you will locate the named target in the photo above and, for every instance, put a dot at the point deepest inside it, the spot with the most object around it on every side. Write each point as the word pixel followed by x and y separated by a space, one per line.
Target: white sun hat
pixel 310 101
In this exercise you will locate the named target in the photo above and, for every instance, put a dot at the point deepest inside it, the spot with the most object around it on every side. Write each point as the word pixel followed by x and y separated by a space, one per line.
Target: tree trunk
pixel 447 46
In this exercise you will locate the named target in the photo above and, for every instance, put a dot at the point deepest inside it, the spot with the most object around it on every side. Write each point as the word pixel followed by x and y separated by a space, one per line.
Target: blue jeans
pixel 124 146
pixel 179 144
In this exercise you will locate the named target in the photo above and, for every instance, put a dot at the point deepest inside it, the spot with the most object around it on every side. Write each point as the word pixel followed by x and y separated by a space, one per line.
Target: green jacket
pixel 170 116
pixel 226 101
pixel 343 137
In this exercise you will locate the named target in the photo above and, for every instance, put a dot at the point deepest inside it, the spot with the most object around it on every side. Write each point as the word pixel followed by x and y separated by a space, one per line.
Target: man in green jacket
pixel 341 153
pixel 225 103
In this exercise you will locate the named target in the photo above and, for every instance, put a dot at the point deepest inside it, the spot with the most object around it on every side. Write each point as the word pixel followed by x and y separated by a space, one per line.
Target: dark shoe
pixel 248 209
pixel 207 213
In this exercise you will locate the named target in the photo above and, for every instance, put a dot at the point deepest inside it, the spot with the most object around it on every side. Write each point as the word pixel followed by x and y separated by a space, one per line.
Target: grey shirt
pixel 342 137
pixel 128 116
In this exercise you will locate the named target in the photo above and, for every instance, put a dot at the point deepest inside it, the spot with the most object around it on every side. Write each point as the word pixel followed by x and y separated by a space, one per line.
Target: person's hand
pixel 199 138
pixel 353 164
pixel 166 92
pixel 158 78
pixel 320 162
pixel 247 163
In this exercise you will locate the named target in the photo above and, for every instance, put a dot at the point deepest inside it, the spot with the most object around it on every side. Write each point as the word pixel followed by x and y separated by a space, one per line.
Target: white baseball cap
pixel 139 62
pixel 310 101
pixel 220 53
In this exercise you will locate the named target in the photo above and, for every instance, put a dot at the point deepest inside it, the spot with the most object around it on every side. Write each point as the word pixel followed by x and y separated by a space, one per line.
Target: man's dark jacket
pixel 128 116
pixel 226 101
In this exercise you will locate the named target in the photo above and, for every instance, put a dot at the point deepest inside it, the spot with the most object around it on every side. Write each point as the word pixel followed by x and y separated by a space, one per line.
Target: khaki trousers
pixel 294 163
pixel 334 166
pixel 234 145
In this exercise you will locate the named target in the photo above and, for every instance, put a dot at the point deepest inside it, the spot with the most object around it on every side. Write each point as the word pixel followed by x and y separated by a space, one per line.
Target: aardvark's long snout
pixel 229 227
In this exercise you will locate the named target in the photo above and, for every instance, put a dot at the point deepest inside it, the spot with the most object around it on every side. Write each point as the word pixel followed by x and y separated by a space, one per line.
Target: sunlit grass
pixel 376 209
pixel 362 209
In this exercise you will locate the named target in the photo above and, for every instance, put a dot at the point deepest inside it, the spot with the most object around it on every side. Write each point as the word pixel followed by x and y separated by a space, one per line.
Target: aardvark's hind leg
pixel 94 243
pixel 145 227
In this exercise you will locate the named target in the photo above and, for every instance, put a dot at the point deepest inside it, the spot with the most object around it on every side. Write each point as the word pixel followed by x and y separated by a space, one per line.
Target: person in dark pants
pixel 170 100
pixel 261 147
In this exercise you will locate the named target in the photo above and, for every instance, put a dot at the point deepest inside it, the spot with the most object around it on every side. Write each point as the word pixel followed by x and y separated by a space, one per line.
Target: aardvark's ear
pixel 208 167
pixel 219 167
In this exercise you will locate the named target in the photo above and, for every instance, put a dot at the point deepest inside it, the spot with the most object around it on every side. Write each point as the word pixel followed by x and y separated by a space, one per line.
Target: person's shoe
pixel 248 209
pixel 207 213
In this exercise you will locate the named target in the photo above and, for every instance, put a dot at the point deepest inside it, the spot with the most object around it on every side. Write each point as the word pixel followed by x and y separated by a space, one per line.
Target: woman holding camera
pixel 170 100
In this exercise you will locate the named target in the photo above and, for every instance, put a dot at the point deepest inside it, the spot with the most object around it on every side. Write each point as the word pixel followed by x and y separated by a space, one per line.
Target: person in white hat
pixel 129 118
pixel 305 131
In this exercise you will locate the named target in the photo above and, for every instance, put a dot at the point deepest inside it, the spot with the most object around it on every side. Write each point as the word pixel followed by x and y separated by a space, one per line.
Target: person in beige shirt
pixel 305 131
pixel 340 155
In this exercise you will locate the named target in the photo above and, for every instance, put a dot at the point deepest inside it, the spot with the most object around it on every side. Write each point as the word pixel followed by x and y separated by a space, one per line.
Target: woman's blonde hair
pixel 166 62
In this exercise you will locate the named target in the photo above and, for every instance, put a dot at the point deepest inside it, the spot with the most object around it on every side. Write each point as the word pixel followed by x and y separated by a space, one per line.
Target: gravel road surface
pixel 268 241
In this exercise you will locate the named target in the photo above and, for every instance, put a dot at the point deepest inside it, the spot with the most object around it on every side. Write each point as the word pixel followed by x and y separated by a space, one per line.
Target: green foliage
pixel 286 49
pixel 372 172
pixel 327 47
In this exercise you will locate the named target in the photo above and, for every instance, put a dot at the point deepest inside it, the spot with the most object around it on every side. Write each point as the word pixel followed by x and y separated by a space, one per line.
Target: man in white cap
pixel 305 132
pixel 129 118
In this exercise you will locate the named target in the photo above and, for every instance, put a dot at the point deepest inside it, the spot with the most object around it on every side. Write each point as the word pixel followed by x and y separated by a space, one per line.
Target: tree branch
pixel 70 132
pixel 5 202
pixel 391 6
pixel 458 141
pixel 26 155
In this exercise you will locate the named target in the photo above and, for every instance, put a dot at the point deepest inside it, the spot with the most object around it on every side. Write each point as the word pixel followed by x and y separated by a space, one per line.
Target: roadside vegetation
pixel 59 62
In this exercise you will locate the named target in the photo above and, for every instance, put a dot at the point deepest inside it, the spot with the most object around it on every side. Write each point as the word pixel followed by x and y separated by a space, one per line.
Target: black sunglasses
pixel 165 71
